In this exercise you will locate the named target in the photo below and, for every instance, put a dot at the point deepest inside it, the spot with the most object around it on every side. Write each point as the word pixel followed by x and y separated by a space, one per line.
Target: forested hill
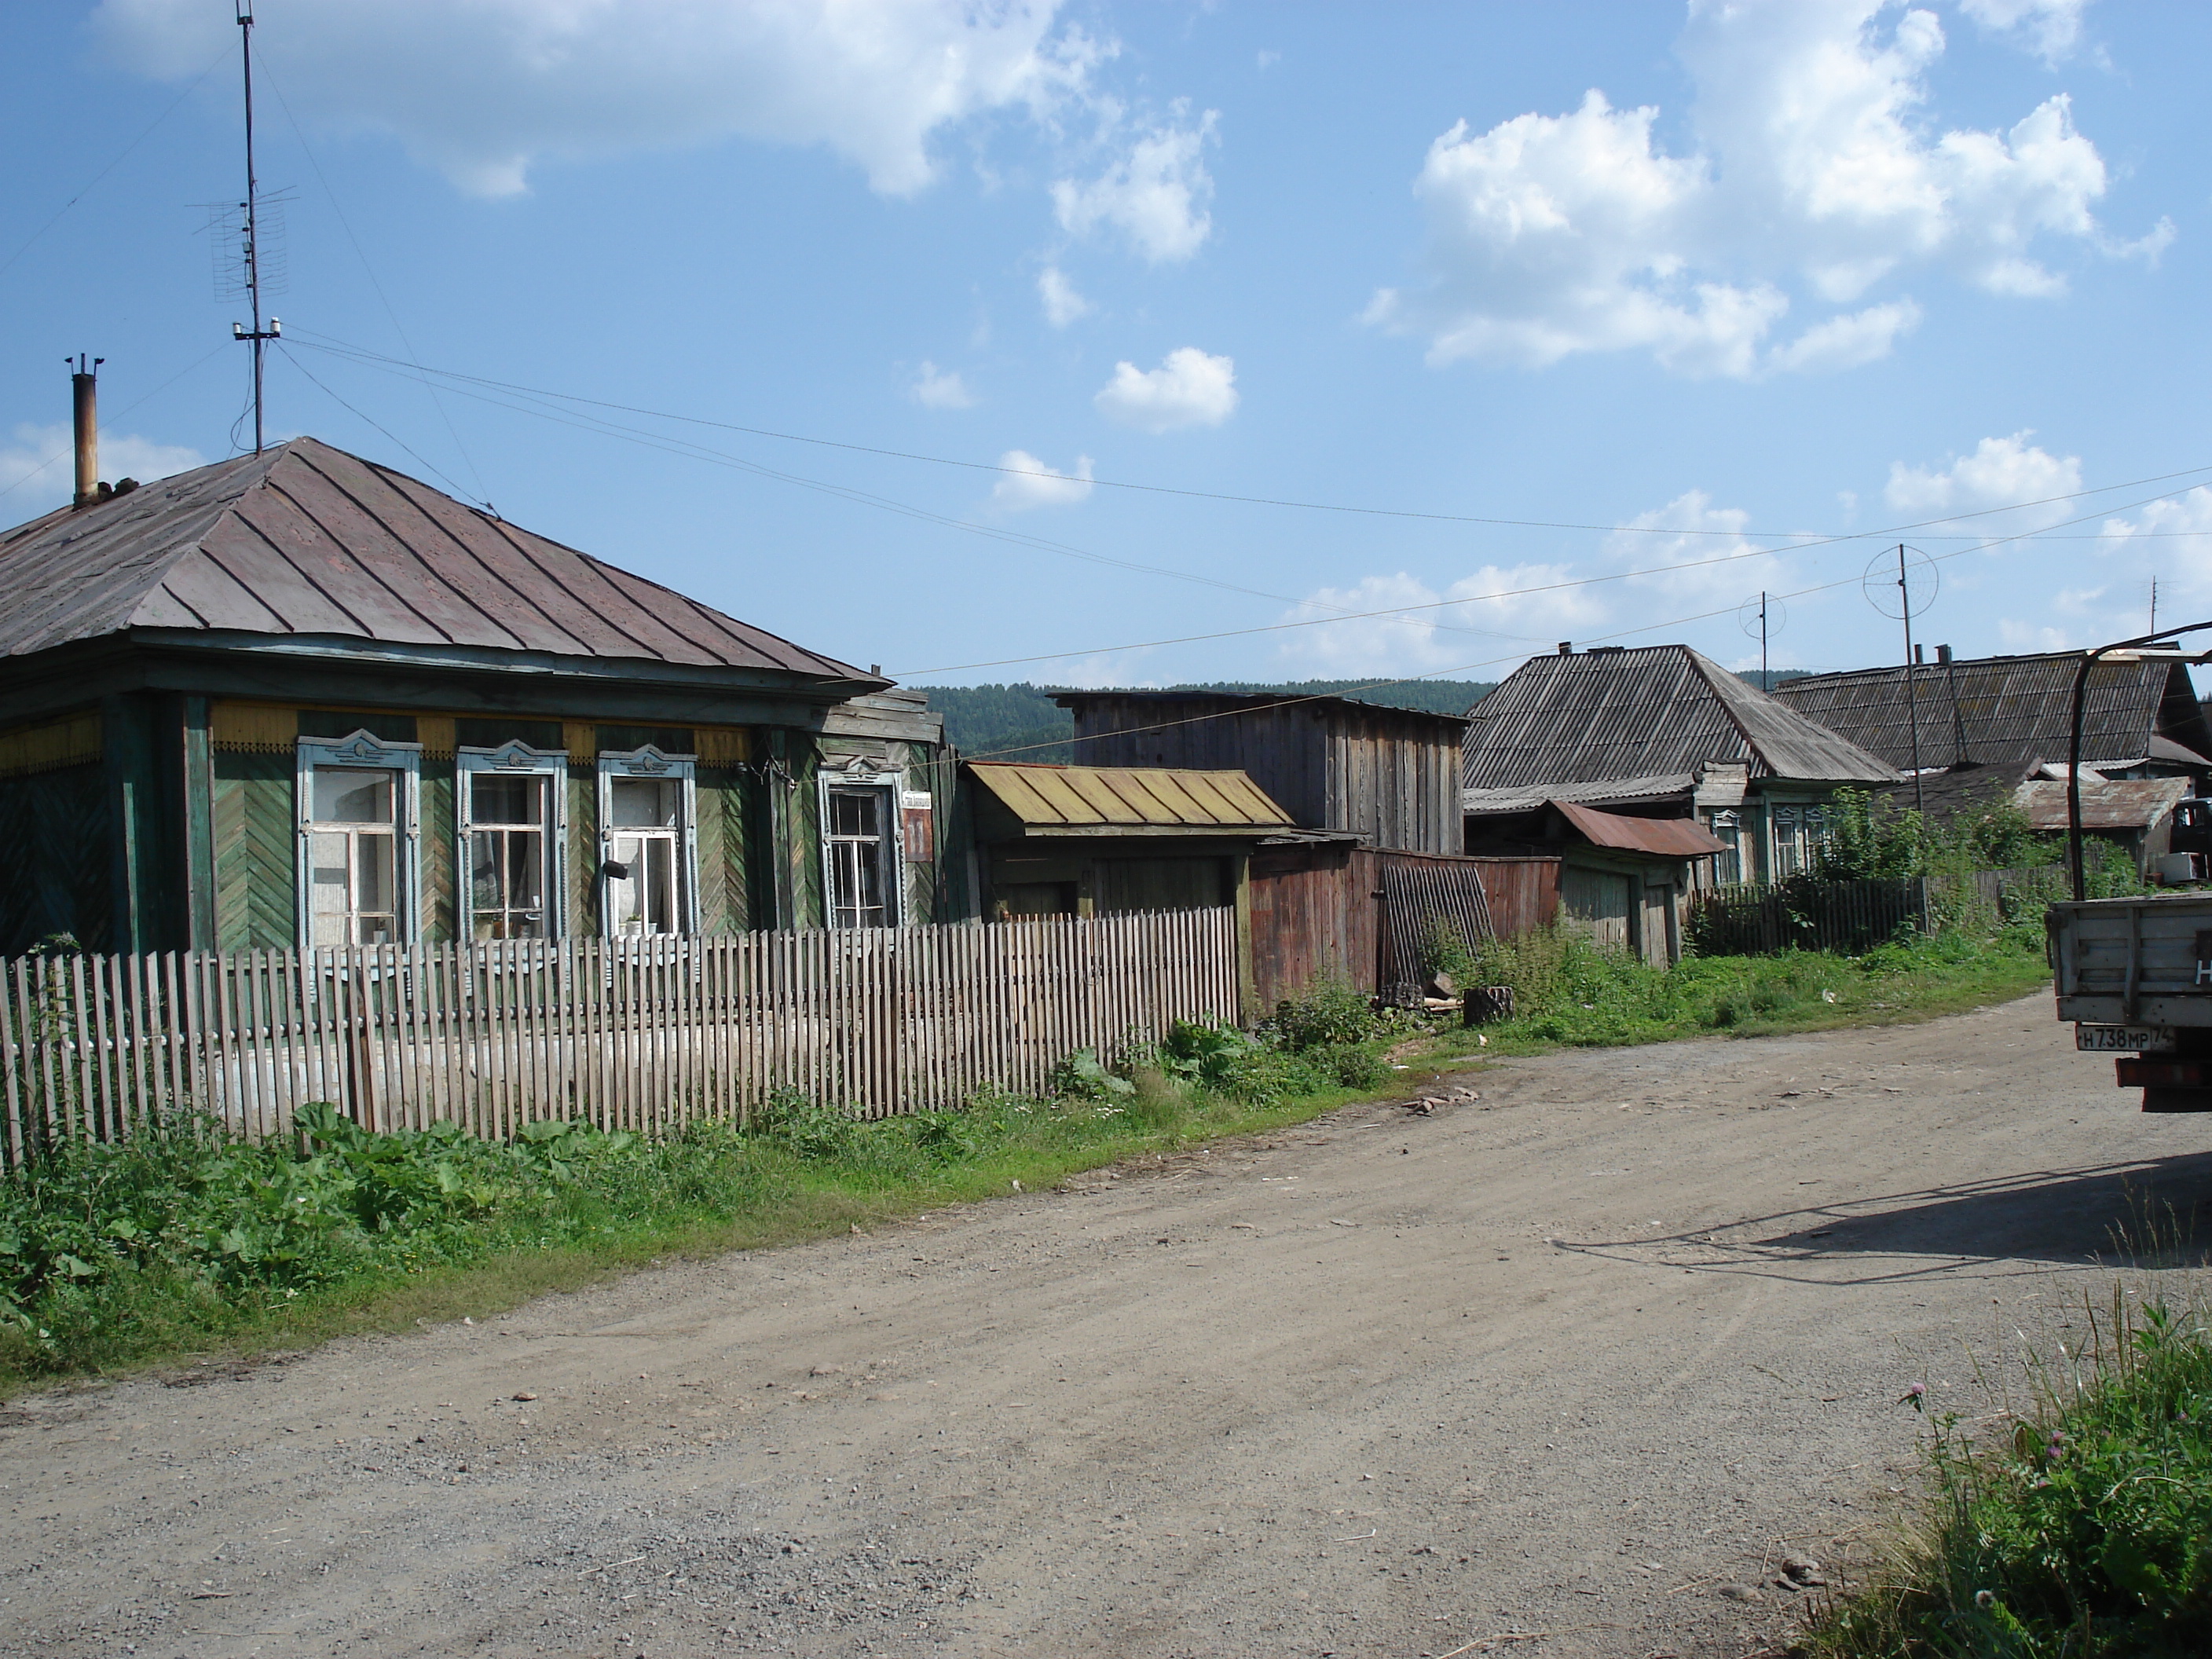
pixel 1023 718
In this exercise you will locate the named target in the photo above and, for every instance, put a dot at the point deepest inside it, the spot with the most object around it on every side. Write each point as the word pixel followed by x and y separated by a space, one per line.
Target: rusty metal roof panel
pixel 1047 798
pixel 1993 710
pixel 304 538
pixel 1590 717
pixel 2124 803
pixel 1606 791
pixel 1673 838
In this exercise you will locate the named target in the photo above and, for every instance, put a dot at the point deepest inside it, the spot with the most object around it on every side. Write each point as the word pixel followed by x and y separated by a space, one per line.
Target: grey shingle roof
pixel 1662 709
pixel 304 539
pixel 1992 710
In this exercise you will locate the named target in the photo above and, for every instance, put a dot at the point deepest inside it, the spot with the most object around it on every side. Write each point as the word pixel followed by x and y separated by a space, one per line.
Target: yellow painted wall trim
pixel 256 728
pixel 581 739
pixel 436 733
pixel 48 748
pixel 722 746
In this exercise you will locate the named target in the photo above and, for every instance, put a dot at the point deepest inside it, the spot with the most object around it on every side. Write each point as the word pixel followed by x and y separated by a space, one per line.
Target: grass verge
pixel 2081 1529
pixel 186 1242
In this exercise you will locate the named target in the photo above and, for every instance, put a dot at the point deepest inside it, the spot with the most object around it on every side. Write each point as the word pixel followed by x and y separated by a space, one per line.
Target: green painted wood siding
pixel 727 797
pixel 440 910
pixel 256 871
pixel 56 825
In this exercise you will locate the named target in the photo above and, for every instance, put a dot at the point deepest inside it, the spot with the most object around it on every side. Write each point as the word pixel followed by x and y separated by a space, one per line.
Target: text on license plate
pixel 2124 1039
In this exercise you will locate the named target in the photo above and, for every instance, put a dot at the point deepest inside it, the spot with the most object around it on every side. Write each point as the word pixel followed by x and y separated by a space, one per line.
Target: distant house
pixel 2141 718
pixel 1389 775
pixel 1660 732
pixel 297 699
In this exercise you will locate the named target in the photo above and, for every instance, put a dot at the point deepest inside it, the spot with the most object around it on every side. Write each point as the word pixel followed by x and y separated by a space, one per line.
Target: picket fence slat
pixel 640 1034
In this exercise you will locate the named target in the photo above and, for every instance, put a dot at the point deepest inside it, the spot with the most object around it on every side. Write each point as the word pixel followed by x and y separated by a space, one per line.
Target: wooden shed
pixel 299 699
pixel 1390 775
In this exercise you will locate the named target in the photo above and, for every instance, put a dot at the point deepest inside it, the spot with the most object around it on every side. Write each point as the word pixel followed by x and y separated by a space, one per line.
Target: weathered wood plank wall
pixel 641 1034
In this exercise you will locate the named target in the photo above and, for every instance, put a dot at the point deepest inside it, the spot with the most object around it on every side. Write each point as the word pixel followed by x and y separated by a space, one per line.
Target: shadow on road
pixel 2153 1213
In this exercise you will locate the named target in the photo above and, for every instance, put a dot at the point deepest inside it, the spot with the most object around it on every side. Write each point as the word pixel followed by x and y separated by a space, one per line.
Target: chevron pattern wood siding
pixel 724 881
pixel 583 850
pixel 441 899
pixel 59 821
pixel 255 880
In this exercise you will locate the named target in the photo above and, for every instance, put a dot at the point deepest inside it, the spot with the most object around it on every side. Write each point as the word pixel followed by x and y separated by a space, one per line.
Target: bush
pixel 2083 1529
pixel 1329 1013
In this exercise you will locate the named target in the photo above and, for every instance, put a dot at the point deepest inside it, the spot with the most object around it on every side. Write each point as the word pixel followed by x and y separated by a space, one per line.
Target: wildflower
pixel 1915 1396
pixel 1985 1600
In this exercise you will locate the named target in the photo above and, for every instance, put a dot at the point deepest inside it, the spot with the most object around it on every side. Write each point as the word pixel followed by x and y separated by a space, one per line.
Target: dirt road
pixel 1583 1356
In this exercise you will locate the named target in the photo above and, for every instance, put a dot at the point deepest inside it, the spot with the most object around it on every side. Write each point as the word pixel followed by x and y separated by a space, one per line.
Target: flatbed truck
pixel 2135 976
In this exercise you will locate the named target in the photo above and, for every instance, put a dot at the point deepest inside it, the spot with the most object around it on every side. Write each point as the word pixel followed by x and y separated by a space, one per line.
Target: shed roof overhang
pixel 1155 802
pixel 1673 838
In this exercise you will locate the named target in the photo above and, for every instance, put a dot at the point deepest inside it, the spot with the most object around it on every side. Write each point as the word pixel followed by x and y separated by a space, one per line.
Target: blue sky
pixel 1667 286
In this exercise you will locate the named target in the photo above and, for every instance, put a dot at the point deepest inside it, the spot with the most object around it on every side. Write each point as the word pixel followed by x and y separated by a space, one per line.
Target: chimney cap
pixel 1566 648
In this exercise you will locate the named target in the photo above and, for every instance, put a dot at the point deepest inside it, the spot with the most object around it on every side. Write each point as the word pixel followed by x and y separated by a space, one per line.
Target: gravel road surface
pixel 1588 1355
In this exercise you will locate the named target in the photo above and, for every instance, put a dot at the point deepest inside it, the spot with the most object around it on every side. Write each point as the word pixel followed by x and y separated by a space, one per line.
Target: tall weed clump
pixel 2081 1529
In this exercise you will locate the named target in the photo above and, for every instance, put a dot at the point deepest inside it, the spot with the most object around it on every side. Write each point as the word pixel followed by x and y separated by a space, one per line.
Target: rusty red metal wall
pixel 1523 894
pixel 1319 911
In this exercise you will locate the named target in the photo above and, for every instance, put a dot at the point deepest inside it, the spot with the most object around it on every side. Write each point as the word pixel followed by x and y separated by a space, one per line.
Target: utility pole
pixel 258 337
pixel 1911 704
pixel 1765 684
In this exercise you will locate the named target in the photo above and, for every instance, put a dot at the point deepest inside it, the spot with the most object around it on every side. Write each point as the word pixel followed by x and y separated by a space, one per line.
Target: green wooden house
pixel 299 699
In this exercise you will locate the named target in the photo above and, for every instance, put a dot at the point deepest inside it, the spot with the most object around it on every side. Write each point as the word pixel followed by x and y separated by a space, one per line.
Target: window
pixel 357 842
pixel 649 844
pixel 1727 866
pixel 511 818
pixel 857 845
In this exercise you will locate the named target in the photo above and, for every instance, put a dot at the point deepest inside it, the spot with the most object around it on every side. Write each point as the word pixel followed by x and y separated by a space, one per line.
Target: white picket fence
pixel 641 1034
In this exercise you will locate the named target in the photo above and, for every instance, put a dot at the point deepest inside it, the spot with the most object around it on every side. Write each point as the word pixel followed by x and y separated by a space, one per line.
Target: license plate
pixel 2124 1039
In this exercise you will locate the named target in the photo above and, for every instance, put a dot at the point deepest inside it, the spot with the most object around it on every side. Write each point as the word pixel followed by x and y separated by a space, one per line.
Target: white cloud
pixel 1812 173
pixel 1028 482
pixel 1155 193
pixel 1062 304
pixel 2049 28
pixel 1680 543
pixel 937 388
pixel 37 470
pixel 483 89
pixel 1189 388
pixel 1431 629
pixel 2000 472
pixel 2171 539
pixel 2018 637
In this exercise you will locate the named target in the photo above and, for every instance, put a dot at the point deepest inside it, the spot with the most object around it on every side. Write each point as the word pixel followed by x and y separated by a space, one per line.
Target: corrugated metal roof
pixel 1232 701
pixel 1598 715
pixel 1046 799
pixel 1673 838
pixel 2124 803
pixel 1492 803
pixel 305 539
pixel 1997 709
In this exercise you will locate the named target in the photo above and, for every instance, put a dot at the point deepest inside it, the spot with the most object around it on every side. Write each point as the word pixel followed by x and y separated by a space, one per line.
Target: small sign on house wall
pixel 917 826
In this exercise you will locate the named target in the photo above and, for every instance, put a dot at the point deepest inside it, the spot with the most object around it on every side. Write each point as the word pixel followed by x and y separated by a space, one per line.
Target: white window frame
pixel 514 759
pixel 363 751
pixel 650 763
pixel 890 786
pixel 1726 823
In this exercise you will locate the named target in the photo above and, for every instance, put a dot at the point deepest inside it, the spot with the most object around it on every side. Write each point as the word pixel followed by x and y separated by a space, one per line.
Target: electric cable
pixel 62 454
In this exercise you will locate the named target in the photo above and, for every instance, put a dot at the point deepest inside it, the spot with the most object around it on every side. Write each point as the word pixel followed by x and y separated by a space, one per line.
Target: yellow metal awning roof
pixel 1142 800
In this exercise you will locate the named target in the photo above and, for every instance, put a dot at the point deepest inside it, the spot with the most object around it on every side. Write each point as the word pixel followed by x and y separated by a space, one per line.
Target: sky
pixel 1096 345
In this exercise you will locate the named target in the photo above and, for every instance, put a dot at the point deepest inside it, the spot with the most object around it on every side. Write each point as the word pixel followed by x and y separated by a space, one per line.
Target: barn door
pixel 1594 903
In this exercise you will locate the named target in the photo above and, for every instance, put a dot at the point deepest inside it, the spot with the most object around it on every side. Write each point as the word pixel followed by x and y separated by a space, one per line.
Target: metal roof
pixel 1673 838
pixel 2107 804
pixel 1235 702
pixel 1594 716
pixel 1146 799
pixel 1491 803
pixel 1997 709
pixel 304 539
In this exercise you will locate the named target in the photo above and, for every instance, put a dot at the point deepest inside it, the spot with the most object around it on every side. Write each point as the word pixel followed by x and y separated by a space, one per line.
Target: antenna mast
pixel 258 337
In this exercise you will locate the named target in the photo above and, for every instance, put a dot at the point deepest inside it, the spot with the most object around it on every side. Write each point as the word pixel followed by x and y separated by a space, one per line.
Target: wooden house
pixel 1661 732
pixel 1389 775
pixel 299 699
pixel 1623 880
pixel 2141 716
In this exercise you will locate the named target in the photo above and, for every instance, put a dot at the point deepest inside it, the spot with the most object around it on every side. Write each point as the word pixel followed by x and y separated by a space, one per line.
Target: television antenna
pixel 250 230
pixel 1761 619
pixel 1903 585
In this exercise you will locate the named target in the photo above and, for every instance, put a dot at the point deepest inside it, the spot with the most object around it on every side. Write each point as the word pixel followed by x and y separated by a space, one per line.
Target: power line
pixel 1547 587
pixel 357 414
pixel 62 453
pixel 122 155
pixel 331 342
